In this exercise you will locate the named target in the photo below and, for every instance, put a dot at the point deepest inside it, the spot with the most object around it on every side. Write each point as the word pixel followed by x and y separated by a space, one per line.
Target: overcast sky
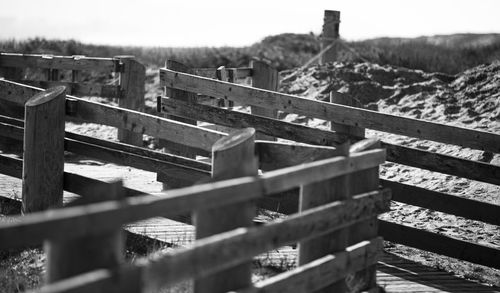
pixel 237 23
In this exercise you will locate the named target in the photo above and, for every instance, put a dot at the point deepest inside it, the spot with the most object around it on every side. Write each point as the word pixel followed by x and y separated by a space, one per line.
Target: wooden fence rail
pixel 351 117
pixel 333 112
pixel 129 91
pixel 213 254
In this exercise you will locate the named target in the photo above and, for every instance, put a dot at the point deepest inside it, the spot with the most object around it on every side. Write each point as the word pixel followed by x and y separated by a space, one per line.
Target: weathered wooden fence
pixel 69 71
pixel 223 246
pixel 349 123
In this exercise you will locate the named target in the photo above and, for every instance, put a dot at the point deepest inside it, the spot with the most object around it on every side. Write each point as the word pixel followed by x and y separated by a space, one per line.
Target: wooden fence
pixel 345 188
pixel 47 71
pixel 349 123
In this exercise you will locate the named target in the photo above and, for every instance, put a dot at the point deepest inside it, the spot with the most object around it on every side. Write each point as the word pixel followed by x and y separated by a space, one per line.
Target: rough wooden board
pixel 58 62
pixel 334 112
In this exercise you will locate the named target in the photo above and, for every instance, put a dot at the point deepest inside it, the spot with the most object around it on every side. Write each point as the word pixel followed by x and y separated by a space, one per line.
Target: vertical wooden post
pixel 170 146
pixel 52 74
pixel 360 182
pixel 11 73
pixel 232 76
pixel 264 76
pixel 331 23
pixel 232 156
pixel 67 258
pixel 317 194
pixel 364 181
pixel 356 133
pixel 222 74
pixel 132 81
pixel 75 75
pixel 43 161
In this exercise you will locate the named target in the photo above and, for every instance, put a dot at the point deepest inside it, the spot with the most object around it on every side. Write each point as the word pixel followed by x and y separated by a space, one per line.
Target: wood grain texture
pixel 395 153
pixel 181 133
pixel 353 132
pixel 316 194
pixel 43 158
pixel 264 125
pixel 79 88
pixel 446 203
pixel 67 258
pixel 452 165
pixel 132 82
pixel 123 154
pixel 57 62
pixel 334 112
pixel 264 77
pixel 274 155
pixel 429 241
pixel 364 181
pixel 78 221
pixel 322 272
pixel 172 147
pixel 409 156
pixel 241 72
pixel 330 33
pixel 232 157
pixel 227 249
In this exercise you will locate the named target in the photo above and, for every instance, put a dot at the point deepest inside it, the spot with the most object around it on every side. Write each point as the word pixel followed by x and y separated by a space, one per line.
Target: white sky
pixel 237 23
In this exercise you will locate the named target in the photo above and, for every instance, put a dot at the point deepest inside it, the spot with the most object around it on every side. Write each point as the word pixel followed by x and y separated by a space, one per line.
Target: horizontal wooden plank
pixel 58 62
pixel 333 112
pixel 123 154
pixel 11 166
pixel 177 132
pixel 474 170
pixel 442 202
pixel 135 161
pixel 241 72
pixel 11 109
pixel 436 162
pixel 169 158
pixel 101 217
pixel 323 271
pixel 139 122
pixel 353 258
pixel 275 155
pixel 440 244
pixel 264 125
pixel 17 93
pixel 11 121
pixel 79 88
pixel 78 184
pixel 74 183
pixel 124 280
pixel 11 131
pixel 224 250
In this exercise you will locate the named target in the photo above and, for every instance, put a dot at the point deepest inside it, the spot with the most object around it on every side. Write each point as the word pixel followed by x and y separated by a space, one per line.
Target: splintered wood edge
pixel 46 96
pixel 233 139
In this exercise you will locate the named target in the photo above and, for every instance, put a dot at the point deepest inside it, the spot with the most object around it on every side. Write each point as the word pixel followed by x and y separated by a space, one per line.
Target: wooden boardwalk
pixel 394 273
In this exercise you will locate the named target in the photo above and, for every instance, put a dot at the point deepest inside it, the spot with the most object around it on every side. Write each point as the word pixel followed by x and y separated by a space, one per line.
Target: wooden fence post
pixel 362 181
pixel 264 76
pixel 232 156
pixel 317 194
pixel 356 133
pixel 132 81
pixel 11 73
pixel 331 23
pixel 172 147
pixel 67 258
pixel 43 161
